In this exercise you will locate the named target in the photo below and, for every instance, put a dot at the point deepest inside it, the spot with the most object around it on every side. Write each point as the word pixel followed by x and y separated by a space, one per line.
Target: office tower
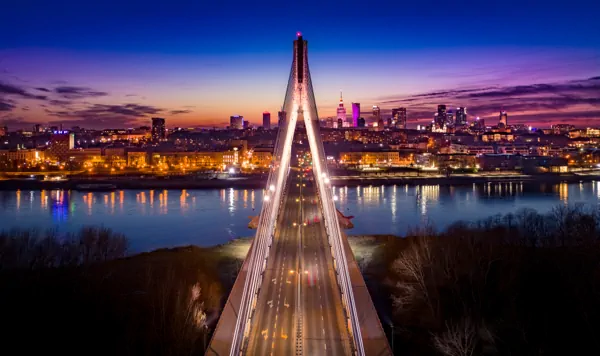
pixel 440 118
pixel 236 122
pixel 340 123
pixel 380 124
pixel 503 122
pixel 281 118
pixel 341 111
pixel 399 118
pixel 479 124
pixel 246 124
pixel 355 113
pixel 61 142
pixel 266 120
pixel 461 116
pixel 159 131
pixel 361 122
pixel 388 122
pixel 449 118
pixel 376 113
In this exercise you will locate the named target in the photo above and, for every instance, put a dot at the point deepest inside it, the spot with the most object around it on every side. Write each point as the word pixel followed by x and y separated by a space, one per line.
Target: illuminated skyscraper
pixel 399 118
pixel 503 122
pixel 355 113
pixel 441 117
pixel 159 130
pixel 461 117
pixel 341 112
pixel 449 118
pixel 266 120
pixel 236 122
pixel 376 114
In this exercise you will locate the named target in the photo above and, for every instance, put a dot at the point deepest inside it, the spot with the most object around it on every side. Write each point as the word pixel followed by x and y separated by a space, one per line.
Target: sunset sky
pixel 108 64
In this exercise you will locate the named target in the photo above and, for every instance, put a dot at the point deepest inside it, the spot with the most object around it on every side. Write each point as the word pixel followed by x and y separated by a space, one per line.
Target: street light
pixel 272 188
pixel 266 198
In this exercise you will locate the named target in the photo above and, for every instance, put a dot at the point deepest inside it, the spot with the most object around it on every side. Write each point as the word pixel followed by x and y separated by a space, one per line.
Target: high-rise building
pixel 461 117
pixel 266 120
pixel 355 113
pixel 440 118
pixel 361 122
pixel 399 118
pixel 246 124
pixel 376 114
pixel 478 124
pixel 341 112
pixel 340 123
pixel 61 142
pixel 3 131
pixel 503 122
pixel 236 122
pixel 449 118
pixel 280 118
pixel 159 130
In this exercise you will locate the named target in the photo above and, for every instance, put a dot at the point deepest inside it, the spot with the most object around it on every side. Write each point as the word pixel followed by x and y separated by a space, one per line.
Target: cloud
pixel 9 89
pixel 6 106
pixel 71 92
pixel 43 89
pixel 104 116
pixel 59 102
pixel 177 112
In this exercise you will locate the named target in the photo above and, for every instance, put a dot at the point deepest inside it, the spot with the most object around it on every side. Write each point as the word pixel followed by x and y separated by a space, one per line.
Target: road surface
pixel 299 308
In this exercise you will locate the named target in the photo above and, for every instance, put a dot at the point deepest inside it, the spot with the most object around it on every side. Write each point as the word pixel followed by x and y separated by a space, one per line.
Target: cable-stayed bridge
pixel 299 290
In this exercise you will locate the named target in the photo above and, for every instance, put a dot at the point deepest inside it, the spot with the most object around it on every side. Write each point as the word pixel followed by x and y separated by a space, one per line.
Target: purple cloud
pixel 71 92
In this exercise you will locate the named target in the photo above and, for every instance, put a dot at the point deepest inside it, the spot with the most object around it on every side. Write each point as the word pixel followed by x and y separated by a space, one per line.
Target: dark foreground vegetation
pixel 522 284
pixel 68 295
pixel 518 284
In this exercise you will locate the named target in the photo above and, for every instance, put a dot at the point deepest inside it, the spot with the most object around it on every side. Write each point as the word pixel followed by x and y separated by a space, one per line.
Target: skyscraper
pixel 236 122
pixel 355 113
pixel 440 119
pixel 341 112
pixel 280 118
pixel 376 114
pixel 399 118
pixel 361 122
pixel 340 123
pixel 449 118
pixel 461 117
pixel 266 120
pixel 503 122
pixel 159 130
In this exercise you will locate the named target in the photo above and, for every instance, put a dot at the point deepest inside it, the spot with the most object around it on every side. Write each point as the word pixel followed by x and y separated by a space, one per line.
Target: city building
pixel 281 118
pixel 478 124
pixel 340 123
pixel 450 119
pixel 355 114
pixel 440 117
pixel 361 122
pixel 266 120
pixel 3 131
pixel 236 122
pixel 159 130
pixel 399 118
pixel 341 113
pixel 461 117
pixel 246 124
pixel 376 114
pixel 503 121
pixel 561 129
pixel 61 142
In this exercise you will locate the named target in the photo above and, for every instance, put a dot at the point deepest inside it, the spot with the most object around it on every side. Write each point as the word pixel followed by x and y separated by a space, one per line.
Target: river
pixel 165 218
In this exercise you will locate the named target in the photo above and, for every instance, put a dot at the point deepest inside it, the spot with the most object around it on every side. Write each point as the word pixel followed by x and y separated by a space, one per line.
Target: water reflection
pixel 151 219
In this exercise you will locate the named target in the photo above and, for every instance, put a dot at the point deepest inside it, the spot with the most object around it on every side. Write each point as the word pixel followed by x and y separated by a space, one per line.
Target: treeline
pixel 516 284
pixel 78 295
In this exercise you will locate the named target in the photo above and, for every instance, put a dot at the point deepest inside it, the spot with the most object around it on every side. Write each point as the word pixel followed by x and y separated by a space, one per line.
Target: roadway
pixel 299 308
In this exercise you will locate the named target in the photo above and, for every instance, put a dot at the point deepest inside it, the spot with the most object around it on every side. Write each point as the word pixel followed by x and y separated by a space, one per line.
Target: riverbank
pixel 257 182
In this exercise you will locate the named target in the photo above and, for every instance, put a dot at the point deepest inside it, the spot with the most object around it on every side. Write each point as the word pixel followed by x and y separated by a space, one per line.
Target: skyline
pixel 99 66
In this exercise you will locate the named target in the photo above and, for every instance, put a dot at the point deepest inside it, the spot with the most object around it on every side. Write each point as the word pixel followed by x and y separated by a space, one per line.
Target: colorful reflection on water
pixel 164 218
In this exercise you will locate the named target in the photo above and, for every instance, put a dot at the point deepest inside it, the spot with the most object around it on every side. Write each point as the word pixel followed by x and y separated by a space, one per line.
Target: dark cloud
pixel 43 89
pixel 103 116
pixel 177 112
pixel 70 92
pixel 6 106
pixel 59 102
pixel 9 89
